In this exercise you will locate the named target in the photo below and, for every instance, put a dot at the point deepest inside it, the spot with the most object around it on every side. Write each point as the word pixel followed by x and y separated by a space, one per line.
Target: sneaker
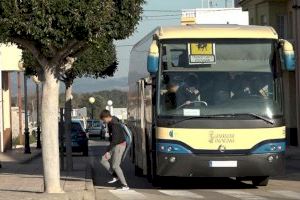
pixel 113 180
pixel 123 188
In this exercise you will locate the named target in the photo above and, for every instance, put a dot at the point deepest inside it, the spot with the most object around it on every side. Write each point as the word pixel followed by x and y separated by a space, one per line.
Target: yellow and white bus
pixel 207 101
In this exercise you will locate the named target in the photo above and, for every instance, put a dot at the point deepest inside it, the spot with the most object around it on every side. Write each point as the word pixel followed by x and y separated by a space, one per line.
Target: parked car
pixel 79 138
pixel 96 128
pixel 82 121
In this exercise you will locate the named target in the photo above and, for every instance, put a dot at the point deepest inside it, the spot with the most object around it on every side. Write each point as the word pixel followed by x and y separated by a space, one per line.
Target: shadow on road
pixel 101 177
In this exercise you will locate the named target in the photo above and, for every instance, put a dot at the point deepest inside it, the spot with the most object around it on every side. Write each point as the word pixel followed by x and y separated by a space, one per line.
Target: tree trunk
pixel 68 118
pixel 50 133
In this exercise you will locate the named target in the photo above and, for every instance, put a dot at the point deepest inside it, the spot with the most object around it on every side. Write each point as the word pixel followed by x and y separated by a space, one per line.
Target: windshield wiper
pixel 268 120
pixel 189 118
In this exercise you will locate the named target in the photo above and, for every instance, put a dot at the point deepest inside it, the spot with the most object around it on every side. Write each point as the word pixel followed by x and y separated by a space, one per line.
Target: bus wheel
pixel 239 179
pixel 260 181
pixel 138 171
pixel 156 181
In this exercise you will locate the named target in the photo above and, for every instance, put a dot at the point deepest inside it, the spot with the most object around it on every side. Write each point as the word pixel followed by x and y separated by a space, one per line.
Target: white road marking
pixel 287 194
pixel 181 193
pixel 128 195
pixel 241 195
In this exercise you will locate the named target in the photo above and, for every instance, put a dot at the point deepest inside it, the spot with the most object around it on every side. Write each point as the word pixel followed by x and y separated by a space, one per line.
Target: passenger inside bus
pixel 221 89
pixel 222 92
pixel 170 96
pixel 183 59
pixel 189 92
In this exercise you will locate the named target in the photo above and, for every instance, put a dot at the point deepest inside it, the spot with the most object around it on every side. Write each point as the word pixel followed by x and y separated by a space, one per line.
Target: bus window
pixel 240 81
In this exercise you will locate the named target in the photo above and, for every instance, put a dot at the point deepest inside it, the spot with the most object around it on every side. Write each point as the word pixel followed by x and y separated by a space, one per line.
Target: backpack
pixel 128 138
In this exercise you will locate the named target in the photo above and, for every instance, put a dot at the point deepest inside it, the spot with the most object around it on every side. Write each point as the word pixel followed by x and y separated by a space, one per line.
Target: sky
pixel 152 18
pixel 169 14
pixel 156 13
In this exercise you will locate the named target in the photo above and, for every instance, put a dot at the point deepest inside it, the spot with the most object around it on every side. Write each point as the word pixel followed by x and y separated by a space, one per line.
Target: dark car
pixel 79 138
pixel 96 128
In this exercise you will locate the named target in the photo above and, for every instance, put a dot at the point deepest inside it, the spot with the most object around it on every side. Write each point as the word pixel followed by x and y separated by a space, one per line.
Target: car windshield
pixel 97 124
pixel 76 127
pixel 221 77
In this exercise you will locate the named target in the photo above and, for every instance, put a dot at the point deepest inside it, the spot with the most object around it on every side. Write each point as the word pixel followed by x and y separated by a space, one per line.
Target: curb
pixel 33 157
pixel 89 193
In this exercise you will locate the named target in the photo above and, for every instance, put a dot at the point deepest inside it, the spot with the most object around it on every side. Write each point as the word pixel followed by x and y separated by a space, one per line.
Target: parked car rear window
pixel 97 124
pixel 76 127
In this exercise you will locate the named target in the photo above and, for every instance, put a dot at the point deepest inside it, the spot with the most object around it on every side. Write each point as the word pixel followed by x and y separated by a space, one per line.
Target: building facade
pixel 284 17
pixel 10 56
pixel 214 16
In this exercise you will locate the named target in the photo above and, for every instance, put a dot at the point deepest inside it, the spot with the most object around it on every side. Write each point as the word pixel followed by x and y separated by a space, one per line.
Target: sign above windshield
pixel 202 53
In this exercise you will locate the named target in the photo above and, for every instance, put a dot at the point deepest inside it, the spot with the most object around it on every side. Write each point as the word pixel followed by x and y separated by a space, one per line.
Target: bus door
pixel 142 158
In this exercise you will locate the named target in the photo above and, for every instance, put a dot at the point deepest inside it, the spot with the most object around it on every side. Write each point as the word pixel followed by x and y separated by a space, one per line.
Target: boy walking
pixel 111 160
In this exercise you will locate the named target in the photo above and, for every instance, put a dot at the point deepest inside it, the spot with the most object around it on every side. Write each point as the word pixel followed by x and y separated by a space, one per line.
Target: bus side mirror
pixel 287 56
pixel 153 57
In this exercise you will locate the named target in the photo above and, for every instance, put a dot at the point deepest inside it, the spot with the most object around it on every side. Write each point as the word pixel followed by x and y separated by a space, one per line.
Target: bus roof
pixel 216 31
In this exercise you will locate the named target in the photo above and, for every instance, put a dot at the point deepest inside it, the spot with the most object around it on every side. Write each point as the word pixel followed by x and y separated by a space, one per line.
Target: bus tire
pixel 138 171
pixel 260 180
pixel 152 177
pixel 156 181
pixel 239 179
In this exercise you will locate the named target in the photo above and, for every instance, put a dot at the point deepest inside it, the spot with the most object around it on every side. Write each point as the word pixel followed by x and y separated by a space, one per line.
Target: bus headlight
pixel 279 148
pixel 273 147
pixel 172 148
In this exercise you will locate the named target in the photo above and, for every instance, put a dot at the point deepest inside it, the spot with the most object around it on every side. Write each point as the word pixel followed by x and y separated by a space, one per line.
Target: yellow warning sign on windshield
pixel 202 49
pixel 202 53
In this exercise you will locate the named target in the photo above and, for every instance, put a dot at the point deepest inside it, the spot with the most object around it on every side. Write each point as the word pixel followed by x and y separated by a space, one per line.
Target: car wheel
pixel 260 181
pixel 85 151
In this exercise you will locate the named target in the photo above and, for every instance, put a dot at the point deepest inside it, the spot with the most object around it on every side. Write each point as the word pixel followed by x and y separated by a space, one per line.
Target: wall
pixel 218 15
pixel 271 10
pixel 10 57
pixel 7 137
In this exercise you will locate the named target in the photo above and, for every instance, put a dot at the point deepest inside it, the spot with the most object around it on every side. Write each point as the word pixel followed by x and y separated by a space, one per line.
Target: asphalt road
pixel 285 187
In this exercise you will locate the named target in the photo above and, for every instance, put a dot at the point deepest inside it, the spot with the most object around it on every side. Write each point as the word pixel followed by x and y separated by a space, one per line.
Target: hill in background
pixel 91 85
pixel 82 85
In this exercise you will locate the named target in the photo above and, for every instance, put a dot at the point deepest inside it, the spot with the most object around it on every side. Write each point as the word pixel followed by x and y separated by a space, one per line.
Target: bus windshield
pixel 219 77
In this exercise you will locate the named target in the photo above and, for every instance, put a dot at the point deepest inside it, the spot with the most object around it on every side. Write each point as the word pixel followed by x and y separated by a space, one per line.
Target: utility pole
pixel 26 130
pixel 36 80
pixel 61 139
pixel 38 130
pixel 21 141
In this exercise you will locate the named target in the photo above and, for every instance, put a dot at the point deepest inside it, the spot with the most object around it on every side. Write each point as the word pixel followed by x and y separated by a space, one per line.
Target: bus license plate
pixel 222 163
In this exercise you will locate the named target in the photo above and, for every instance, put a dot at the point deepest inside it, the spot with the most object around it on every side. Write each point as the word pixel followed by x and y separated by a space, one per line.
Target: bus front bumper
pixel 193 165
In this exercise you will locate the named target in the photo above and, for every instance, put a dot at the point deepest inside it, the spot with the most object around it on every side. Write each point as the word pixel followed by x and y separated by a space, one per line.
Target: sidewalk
pixel 17 155
pixel 21 178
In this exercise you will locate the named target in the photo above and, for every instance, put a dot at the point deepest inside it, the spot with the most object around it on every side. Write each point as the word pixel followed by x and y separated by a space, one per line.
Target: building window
pixel 263 20
pixel 281 26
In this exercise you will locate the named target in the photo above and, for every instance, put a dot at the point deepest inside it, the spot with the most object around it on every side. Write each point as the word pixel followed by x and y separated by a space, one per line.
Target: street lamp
pixel 38 130
pixel 26 130
pixel 92 101
pixel 110 106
